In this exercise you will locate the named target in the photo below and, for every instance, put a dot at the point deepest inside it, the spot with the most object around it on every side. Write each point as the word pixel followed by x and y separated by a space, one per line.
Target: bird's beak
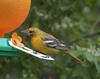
pixel 28 32
pixel 25 31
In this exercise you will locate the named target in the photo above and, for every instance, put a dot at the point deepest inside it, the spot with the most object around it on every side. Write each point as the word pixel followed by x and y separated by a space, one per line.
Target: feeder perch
pixel 6 49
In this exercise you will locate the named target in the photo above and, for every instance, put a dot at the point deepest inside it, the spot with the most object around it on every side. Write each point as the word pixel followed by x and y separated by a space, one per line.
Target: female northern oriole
pixel 46 43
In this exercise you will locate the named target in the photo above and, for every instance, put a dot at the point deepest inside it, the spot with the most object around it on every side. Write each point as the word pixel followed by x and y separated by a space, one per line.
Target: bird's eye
pixel 30 31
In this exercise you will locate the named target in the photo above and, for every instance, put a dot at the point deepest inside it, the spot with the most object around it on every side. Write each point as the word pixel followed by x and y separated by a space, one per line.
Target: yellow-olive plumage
pixel 47 44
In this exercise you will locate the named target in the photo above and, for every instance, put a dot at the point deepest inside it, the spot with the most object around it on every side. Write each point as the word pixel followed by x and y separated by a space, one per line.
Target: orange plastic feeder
pixel 12 14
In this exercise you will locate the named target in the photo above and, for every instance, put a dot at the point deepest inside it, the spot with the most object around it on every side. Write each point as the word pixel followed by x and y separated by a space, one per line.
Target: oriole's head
pixel 32 31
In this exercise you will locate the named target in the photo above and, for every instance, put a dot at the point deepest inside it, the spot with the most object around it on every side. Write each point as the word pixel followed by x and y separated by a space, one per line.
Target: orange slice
pixel 17 40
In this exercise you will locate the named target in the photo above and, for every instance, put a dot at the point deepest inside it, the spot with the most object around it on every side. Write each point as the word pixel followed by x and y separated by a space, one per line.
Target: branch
pixel 91 35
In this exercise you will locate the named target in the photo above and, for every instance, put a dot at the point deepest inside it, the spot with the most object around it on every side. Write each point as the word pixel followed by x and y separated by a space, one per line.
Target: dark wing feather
pixel 52 42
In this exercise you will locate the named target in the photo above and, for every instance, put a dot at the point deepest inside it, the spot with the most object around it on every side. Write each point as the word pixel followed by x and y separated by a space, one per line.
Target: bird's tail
pixel 73 56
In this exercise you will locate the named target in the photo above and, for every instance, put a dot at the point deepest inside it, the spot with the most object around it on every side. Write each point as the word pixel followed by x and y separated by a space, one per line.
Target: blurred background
pixel 77 22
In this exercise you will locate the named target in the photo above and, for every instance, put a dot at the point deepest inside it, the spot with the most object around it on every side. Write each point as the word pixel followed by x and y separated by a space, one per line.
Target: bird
pixel 46 43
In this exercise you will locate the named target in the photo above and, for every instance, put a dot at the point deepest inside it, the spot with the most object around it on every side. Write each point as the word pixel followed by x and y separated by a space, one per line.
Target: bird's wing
pixel 52 42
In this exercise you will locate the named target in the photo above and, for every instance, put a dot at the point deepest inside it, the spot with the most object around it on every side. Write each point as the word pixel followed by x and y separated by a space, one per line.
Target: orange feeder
pixel 12 14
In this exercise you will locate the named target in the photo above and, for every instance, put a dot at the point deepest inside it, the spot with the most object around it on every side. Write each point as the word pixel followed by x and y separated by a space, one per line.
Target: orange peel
pixel 17 40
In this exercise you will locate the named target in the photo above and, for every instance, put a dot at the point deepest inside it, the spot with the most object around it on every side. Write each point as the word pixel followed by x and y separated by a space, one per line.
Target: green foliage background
pixel 77 22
